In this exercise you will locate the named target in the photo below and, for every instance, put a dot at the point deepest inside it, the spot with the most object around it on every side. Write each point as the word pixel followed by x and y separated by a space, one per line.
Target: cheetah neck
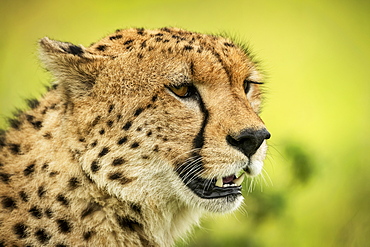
pixel 51 191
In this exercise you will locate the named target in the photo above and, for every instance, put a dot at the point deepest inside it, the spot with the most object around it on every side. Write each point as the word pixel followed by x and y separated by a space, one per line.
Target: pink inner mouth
pixel 228 179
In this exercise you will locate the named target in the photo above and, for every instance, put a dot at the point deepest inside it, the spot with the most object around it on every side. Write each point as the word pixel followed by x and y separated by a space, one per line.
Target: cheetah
pixel 139 135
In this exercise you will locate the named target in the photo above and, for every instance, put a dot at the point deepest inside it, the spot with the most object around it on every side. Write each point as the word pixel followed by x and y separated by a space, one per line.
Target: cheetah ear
pixel 74 69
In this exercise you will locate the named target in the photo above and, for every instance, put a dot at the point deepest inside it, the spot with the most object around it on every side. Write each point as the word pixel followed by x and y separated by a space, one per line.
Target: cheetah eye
pixel 247 85
pixel 183 91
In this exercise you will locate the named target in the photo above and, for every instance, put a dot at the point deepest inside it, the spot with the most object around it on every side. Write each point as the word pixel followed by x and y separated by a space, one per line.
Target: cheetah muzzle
pixel 139 135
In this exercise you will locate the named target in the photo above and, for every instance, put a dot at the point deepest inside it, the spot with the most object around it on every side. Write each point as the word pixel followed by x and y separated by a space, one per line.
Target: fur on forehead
pixel 77 68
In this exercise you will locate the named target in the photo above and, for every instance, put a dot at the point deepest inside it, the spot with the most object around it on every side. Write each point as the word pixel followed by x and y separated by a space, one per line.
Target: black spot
pixel 188 48
pixel 158 39
pixel 138 111
pixel 64 226
pixel 42 236
pixel 62 199
pixel 94 143
pixel 9 203
pixel 159 34
pixel 96 120
pixel 166 29
pixel 127 126
pixel 15 148
pixel 47 135
pixel 110 123
pixel 118 176
pixel 49 213
pixel 122 140
pixel 29 170
pixel 102 131
pixel 143 45
pixel 138 129
pixel 61 245
pixel 128 42
pixel 91 208
pixel 30 118
pixel 45 166
pixel 87 235
pixel 53 174
pixel 20 230
pixel 5 177
pixel 101 47
pixel 75 50
pixel 37 125
pixel 73 183
pixel 128 223
pixel 115 176
pixel 35 212
pixel 118 36
pixel 135 207
pixel 154 98
pixel 140 31
pixel 14 123
pixel 135 145
pixel 94 166
pixel 41 191
pixel 118 161
pixel 119 116
pixel 145 157
pixel 140 56
pixel 156 149
pixel 54 106
pixel 229 44
pixel 111 107
pixel 103 152
pixel 33 103
pixel 149 133
pixel 23 195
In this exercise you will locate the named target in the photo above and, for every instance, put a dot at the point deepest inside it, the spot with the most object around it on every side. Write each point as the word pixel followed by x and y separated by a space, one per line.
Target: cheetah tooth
pixel 239 180
pixel 219 182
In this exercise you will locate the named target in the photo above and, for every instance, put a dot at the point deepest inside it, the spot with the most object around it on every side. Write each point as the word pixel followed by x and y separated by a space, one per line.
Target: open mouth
pixel 216 187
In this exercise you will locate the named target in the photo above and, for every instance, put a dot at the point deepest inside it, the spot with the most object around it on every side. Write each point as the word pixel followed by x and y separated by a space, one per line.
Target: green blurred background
pixel 315 190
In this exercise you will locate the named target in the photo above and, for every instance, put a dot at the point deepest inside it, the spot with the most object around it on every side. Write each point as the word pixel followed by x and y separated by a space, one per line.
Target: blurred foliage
pixel 315 188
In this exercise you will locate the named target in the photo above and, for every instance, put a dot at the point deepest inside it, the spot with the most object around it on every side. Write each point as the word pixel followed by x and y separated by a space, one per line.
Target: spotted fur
pixel 109 155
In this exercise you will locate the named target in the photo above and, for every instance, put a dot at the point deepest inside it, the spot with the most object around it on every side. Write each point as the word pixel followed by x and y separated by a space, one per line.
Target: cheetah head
pixel 167 116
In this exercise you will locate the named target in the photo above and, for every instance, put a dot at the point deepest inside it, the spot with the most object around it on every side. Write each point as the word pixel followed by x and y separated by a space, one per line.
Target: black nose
pixel 249 140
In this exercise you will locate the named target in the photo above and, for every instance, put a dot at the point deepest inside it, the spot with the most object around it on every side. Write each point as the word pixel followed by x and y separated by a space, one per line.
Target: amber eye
pixel 247 85
pixel 183 91
pixel 180 91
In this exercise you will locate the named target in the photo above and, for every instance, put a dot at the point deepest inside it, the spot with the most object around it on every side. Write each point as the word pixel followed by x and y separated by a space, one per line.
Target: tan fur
pixel 94 162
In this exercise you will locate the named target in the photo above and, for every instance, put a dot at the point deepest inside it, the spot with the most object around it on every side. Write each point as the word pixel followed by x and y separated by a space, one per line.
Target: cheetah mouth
pixel 216 187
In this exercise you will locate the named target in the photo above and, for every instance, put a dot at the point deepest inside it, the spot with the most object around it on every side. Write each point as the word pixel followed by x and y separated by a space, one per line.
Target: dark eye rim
pixel 247 85
pixel 191 93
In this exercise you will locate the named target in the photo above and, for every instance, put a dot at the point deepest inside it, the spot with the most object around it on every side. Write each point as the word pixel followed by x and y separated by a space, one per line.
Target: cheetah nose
pixel 249 140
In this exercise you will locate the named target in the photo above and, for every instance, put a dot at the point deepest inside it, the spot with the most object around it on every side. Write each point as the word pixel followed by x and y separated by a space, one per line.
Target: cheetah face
pixel 215 168
pixel 168 115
